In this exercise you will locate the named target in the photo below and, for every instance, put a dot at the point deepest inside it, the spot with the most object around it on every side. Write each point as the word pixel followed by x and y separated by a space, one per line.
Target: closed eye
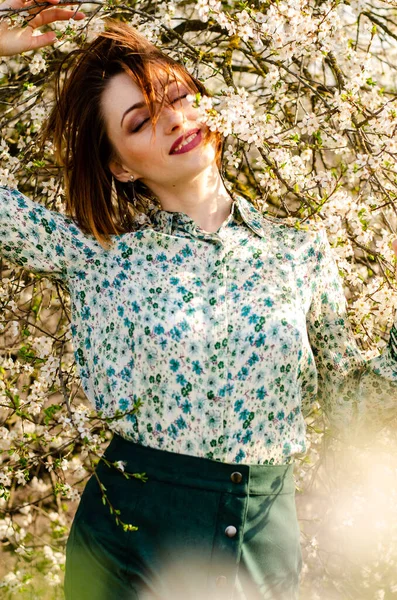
pixel 179 98
pixel 144 121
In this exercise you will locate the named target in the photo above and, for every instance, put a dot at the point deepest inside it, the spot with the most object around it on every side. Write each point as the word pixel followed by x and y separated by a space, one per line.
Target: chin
pixel 205 167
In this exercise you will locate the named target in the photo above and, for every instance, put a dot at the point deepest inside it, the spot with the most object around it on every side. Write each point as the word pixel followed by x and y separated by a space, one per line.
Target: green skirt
pixel 206 530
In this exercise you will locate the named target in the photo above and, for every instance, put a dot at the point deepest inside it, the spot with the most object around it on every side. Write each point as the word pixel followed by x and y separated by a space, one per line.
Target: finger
pixel 45 39
pixel 55 14
pixel 33 4
pixel 37 7
pixel 12 4
pixel 39 3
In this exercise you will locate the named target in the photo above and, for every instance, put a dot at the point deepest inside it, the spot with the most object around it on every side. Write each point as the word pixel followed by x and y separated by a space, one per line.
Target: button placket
pixel 236 477
pixel 219 319
pixel 228 539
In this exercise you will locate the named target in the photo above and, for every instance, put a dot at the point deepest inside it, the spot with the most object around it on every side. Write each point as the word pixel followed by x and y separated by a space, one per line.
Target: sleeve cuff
pixel 393 342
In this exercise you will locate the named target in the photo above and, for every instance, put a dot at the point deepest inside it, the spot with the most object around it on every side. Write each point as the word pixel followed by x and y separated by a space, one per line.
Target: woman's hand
pixel 20 39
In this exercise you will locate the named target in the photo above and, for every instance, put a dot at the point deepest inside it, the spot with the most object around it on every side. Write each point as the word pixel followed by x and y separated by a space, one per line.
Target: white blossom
pixel 37 64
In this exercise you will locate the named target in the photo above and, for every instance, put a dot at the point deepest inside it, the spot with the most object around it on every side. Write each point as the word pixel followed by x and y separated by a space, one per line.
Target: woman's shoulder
pixel 312 222
pixel 301 224
pixel 296 230
pixel 299 237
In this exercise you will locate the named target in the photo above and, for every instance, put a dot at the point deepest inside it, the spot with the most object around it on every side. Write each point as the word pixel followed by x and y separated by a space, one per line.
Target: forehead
pixel 122 84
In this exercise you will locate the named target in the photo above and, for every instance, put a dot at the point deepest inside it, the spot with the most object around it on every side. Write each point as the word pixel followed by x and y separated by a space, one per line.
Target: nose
pixel 174 118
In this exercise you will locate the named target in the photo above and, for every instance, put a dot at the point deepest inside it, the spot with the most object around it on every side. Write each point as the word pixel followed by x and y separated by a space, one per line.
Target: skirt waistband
pixel 203 473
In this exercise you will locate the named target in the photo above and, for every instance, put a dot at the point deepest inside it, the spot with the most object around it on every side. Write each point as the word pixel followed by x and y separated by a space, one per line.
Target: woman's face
pixel 141 154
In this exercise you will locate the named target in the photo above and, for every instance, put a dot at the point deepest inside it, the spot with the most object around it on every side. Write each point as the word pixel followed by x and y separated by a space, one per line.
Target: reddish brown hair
pixel 100 204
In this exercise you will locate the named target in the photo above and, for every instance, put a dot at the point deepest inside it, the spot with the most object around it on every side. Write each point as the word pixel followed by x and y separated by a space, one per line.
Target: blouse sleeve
pixel 36 238
pixel 358 395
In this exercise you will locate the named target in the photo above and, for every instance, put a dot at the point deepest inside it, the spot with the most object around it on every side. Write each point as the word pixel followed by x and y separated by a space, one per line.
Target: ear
pixel 119 172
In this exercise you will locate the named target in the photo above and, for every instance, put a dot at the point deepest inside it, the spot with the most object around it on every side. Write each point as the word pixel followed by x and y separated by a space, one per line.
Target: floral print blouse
pixel 226 339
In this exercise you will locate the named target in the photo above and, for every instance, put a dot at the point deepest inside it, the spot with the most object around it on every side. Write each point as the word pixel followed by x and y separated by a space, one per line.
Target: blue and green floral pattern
pixel 227 338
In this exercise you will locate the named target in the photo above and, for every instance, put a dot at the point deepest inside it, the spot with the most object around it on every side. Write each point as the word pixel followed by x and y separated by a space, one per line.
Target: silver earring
pixel 134 198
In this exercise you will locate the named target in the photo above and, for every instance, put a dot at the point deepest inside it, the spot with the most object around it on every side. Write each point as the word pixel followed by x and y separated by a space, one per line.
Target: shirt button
pixel 230 531
pixel 236 477
pixel 221 581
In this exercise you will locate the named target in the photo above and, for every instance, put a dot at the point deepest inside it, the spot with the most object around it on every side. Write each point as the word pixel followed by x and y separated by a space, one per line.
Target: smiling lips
pixel 186 142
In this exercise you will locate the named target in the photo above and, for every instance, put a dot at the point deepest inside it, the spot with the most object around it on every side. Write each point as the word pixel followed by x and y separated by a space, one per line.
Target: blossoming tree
pixel 305 96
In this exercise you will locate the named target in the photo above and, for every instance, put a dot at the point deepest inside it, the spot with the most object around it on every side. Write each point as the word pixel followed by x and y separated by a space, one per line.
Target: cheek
pixel 193 115
pixel 136 151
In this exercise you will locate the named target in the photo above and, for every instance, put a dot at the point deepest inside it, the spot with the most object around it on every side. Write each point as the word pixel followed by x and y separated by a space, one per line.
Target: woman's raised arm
pixel 41 240
pixel 21 39
pixel 31 235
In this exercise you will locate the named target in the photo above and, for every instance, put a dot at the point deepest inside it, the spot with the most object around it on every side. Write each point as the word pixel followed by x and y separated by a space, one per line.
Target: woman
pixel 207 329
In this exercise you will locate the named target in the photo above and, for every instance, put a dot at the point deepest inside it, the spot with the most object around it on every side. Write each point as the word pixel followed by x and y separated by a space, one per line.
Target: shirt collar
pixel 242 210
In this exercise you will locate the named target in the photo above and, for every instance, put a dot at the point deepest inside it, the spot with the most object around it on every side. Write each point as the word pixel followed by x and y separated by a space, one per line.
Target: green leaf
pixel 50 411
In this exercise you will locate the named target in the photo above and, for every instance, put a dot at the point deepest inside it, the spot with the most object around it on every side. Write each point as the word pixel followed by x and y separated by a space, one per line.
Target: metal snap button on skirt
pixel 206 531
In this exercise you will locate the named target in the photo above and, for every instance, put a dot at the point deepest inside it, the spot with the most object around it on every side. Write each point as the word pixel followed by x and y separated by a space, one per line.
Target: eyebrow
pixel 140 105
pixel 133 107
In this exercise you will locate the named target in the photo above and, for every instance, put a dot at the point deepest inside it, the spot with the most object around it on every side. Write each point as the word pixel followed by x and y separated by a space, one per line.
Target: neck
pixel 204 199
